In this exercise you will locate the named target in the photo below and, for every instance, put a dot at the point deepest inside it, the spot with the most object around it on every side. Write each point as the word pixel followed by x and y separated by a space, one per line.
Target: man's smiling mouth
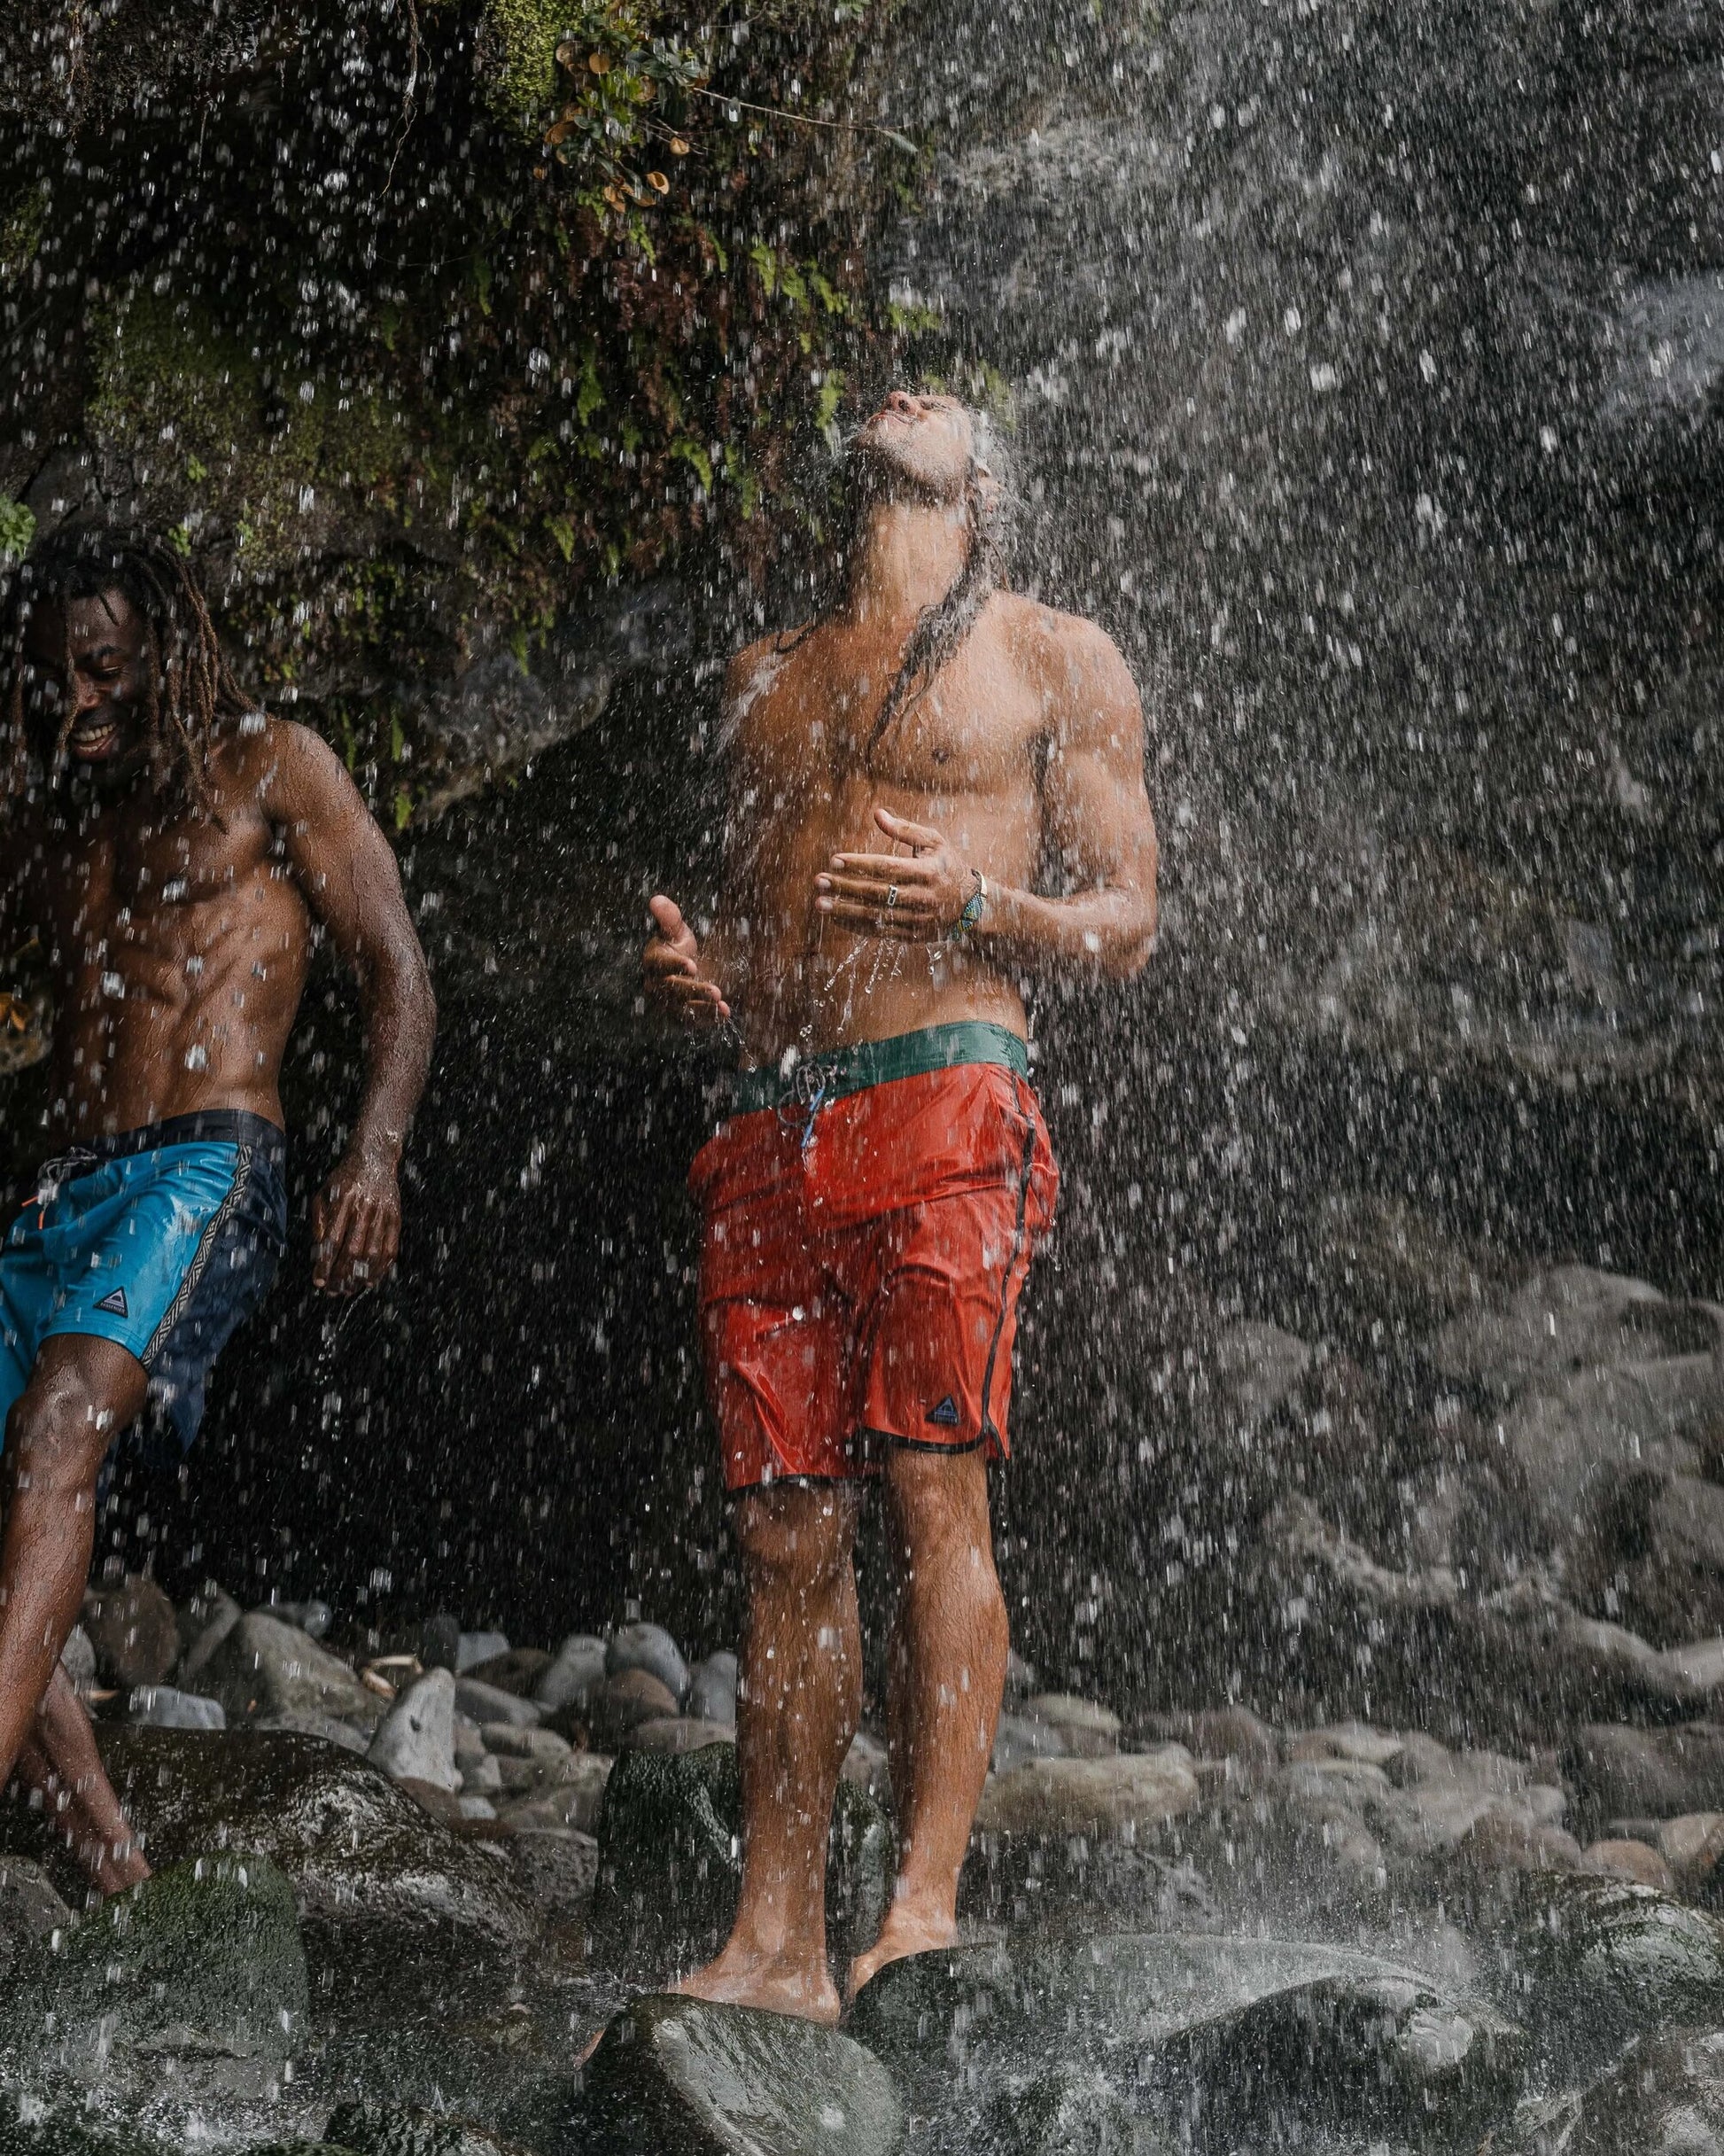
pixel 91 739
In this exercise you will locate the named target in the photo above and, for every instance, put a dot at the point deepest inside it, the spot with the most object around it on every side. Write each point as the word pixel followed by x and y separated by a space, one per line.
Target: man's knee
pixel 796 1535
pixel 59 1431
pixel 939 1507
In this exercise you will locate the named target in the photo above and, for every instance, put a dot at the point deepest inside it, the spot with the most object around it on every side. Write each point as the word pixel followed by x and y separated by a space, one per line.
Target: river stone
pixel 77 1658
pixel 678 1734
pixel 519 1670
pixel 162 1707
pixel 380 1884
pixel 1018 1738
pixel 649 1648
pixel 868 1764
pixel 625 1701
pixel 1648 1773
pixel 481 1702
pixel 1090 1731
pixel 313 1617
pixel 679 2077
pixel 670 1861
pixel 1219 1733
pixel 439 1642
pixel 1627 1858
pixel 1664 2096
pixel 507 1741
pixel 575 1673
pixel 130 1623
pixel 205 1623
pixel 1598 1961
pixel 194 1983
pixel 1137 1793
pixel 1344 1740
pixel 472 1649
pixel 30 1907
pixel 1691 1846
pixel 403 2129
pixel 415 1741
pixel 266 1668
pixel 1232 2039
pixel 712 1689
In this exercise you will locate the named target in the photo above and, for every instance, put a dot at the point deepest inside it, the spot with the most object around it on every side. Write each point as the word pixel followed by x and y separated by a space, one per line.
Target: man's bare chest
pixel 123 896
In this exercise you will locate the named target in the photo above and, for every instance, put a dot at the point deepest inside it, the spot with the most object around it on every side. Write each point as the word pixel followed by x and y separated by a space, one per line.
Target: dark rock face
pixel 1648 1774
pixel 1664 2096
pixel 130 1623
pixel 377 1880
pixel 670 1861
pixel 192 1984
pixel 1226 2041
pixel 678 2075
pixel 390 2130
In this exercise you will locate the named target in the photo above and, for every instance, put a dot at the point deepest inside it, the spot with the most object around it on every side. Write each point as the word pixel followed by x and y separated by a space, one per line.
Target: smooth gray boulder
pixel 1629 1773
pixel 649 1648
pixel 314 1617
pixel 415 1741
pixel 163 1707
pixel 264 1667
pixel 576 1673
pixel 676 2074
pixel 474 1647
pixel 482 1703
pixel 1234 2042
pixel 131 1624
pixel 712 1689
pixel 203 1625
pixel 77 1658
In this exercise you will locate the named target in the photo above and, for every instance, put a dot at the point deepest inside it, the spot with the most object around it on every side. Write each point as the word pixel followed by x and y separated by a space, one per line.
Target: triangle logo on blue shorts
pixel 946 1413
pixel 115 1304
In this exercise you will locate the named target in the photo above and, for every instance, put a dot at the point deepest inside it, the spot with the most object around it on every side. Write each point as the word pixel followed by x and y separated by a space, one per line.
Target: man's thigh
pixel 81 1393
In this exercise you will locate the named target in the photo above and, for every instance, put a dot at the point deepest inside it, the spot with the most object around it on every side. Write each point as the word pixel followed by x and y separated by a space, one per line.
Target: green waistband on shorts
pixel 820 1078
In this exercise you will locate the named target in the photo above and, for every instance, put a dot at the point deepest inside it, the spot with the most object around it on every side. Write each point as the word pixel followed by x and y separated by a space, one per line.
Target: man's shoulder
pixel 1045 634
pixel 750 679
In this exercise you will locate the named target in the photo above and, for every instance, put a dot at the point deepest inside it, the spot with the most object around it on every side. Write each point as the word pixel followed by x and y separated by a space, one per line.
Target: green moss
pixel 18 527
pixel 523 35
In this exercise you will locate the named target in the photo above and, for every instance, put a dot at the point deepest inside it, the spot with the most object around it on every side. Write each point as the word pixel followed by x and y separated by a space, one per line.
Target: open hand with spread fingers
pixel 917 898
pixel 670 966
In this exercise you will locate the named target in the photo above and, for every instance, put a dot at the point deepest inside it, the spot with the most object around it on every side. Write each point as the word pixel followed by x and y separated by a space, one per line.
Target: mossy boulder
pixel 670 1861
pixel 679 2077
pixel 192 1983
pixel 404 2129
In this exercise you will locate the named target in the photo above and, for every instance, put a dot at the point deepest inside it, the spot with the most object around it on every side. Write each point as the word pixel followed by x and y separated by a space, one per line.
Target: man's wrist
pixel 377 1148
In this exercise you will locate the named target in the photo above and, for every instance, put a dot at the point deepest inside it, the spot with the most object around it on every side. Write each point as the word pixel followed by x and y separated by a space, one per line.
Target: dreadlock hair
pixel 188 684
pixel 940 630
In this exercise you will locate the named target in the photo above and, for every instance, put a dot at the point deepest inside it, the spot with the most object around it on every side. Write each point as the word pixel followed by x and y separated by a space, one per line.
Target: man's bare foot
pixel 114 1866
pixel 776 1983
pixel 905 1931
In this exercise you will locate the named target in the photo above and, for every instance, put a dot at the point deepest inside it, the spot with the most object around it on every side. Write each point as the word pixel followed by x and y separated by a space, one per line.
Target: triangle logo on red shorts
pixel 946 1413
pixel 115 1304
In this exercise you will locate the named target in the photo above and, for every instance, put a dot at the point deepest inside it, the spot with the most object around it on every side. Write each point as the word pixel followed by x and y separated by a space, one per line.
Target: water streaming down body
pixel 1364 372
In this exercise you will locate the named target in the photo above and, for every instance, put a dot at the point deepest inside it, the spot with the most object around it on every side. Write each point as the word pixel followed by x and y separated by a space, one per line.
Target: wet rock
pixel 1134 1793
pixel 403 2129
pixel 557 1869
pixel 313 1617
pixel 1326 1781
pixel 712 1689
pixel 1631 1860
pixel 130 1623
pixel 77 1658
pixel 1664 2096
pixel 194 1983
pixel 482 1703
pixel 510 1741
pixel 1504 1838
pixel 1020 1738
pixel 517 1671
pixel 1598 1961
pixel 626 1700
pixel 1219 1733
pixel 574 1675
pixel 649 1648
pixel 1691 1846
pixel 1424 1763
pixel 867 1765
pixel 1090 1731
pixel 207 1620
pixel 380 1884
pixel 1567 1318
pixel 439 1642
pixel 1236 2043
pixel 475 1804
pixel 1346 1741
pixel 162 1707
pixel 472 1649
pixel 678 1734
pixel 1020 1677
pixel 469 1739
pixel 481 1776
pixel 346 1736
pixel 1078 2110
pixel 1258 1365
pixel 264 1668
pixel 415 1741
pixel 581 1789
pixel 1652 1773
pixel 678 2074
pixel 670 1861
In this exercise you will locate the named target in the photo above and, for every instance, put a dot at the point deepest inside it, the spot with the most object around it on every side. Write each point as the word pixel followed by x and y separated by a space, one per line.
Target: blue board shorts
pixel 163 1239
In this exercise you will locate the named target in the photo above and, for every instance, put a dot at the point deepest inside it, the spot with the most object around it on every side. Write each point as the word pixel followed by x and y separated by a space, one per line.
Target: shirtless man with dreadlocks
pixel 174 851
pixel 905 771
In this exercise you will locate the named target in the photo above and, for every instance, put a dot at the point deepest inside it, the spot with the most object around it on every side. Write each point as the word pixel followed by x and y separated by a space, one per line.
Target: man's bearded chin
pixel 881 475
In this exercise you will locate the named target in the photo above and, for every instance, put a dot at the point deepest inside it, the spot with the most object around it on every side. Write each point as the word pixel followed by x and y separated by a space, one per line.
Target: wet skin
pixel 177 946
pixel 844 874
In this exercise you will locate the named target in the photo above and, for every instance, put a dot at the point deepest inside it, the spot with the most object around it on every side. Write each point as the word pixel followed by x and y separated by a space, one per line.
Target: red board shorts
pixel 862 1258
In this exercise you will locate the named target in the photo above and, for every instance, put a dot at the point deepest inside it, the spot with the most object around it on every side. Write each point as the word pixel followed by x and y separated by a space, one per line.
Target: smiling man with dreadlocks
pixel 904 770
pixel 172 848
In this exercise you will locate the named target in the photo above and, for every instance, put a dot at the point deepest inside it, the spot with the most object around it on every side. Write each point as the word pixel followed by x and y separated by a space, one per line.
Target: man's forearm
pixel 401 1024
pixel 1108 932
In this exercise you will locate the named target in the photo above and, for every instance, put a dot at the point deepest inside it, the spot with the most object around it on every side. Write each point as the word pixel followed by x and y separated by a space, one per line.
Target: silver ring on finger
pixel 891 896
